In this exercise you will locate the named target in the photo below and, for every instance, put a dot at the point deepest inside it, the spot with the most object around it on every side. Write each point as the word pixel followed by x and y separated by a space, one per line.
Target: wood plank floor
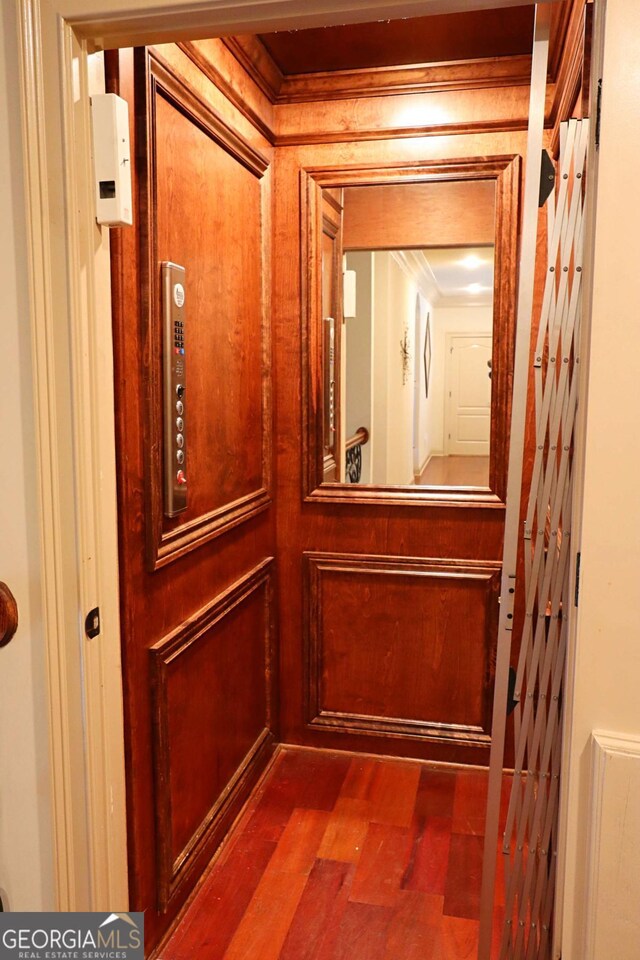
pixel 456 471
pixel 345 858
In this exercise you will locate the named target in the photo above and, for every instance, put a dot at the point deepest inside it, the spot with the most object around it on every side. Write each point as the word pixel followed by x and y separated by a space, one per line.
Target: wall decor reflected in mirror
pixel 411 285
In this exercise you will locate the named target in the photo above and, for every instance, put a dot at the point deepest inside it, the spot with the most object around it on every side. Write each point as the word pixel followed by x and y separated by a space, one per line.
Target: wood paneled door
pixel 197 588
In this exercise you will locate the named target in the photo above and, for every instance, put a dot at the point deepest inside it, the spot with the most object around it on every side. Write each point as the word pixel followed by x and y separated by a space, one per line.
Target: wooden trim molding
pixel 163 80
pixel 429 572
pixel 416 78
pixel 570 71
pixel 361 134
pixel 505 171
pixel 565 76
pixel 489 72
pixel 173 872
pixel 166 545
pixel 208 67
pixel 257 62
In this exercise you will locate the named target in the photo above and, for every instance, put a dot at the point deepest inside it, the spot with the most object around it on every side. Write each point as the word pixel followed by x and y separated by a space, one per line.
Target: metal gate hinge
pixel 509 602
pixel 547 178
pixel 92 623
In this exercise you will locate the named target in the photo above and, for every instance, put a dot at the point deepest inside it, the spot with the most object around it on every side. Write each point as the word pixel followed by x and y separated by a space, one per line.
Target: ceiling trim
pixel 256 60
pixel 415 266
pixel 413 78
pixel 512 124
pixel 205 64
pixel 572 65
pixel 489 72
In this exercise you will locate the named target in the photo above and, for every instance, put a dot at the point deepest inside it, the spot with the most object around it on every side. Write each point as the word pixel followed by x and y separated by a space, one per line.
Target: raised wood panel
pixel 227 322
pixel 437 213
pixel 401 646
pixel 157 602
pixel 212 681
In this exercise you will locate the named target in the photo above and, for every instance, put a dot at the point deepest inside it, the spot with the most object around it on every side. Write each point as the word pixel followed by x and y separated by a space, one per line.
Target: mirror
pixel 411 296
pixel 418 366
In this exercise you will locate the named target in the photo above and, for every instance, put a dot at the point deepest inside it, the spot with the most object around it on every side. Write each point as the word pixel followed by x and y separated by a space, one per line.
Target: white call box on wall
pixel 112 160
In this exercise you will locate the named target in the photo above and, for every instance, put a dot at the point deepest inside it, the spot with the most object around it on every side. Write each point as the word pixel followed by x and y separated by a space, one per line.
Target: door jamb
pixel 73 394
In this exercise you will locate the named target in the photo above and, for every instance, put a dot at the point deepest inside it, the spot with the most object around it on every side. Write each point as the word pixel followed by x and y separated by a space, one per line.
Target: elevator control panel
pixel 176 403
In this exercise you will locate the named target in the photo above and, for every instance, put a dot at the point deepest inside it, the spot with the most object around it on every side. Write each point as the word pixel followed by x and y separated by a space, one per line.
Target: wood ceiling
pixel 474 35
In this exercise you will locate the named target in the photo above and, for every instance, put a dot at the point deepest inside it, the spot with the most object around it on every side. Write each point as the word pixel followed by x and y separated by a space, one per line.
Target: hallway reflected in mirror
pixel 417 362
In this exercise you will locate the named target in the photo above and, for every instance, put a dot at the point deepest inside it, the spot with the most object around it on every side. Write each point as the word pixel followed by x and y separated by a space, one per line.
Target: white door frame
pixel 73 392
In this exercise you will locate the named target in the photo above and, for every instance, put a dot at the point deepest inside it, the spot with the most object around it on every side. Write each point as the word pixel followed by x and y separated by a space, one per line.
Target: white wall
pixel 26 870
pixel 421 404
pixel 444 321
pixel 359 347
pixel 606 662
pixel 401 311
pixel 392 423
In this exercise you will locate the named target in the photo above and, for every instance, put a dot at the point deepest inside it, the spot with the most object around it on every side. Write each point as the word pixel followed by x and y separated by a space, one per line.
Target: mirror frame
pixel 506 172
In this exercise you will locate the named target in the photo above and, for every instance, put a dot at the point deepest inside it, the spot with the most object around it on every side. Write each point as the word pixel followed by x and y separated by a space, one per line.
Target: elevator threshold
pixel 346 857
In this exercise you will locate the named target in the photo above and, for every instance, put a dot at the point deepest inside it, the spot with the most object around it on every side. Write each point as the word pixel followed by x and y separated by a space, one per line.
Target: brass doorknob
pixel 8 615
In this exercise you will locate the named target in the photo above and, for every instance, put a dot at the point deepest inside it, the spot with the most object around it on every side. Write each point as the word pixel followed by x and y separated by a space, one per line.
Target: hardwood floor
pixel 456 472
pixel 340 857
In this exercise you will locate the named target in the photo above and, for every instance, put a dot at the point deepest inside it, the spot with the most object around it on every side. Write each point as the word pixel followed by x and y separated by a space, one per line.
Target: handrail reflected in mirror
pixel 420 351
pixel 359 439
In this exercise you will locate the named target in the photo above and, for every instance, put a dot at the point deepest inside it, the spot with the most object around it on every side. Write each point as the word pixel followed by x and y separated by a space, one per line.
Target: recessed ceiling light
pixel 474 288
pixel 472 262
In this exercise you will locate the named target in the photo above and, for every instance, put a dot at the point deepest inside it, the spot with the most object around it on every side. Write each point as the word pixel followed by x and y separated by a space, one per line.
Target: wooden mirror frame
pixel 505 171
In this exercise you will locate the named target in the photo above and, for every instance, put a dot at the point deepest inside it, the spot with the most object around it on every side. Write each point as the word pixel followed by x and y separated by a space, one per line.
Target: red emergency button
pixel 180 477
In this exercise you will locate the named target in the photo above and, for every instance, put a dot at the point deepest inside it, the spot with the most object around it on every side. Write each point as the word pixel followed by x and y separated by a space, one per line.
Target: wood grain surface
pixel 380 875
pixel 197 604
